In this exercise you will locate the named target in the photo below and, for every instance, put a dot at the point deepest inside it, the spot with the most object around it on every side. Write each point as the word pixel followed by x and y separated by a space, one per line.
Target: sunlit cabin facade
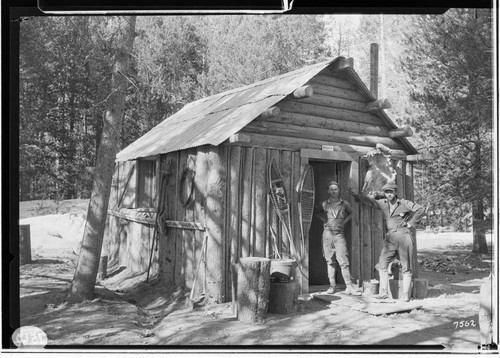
pixel 205 168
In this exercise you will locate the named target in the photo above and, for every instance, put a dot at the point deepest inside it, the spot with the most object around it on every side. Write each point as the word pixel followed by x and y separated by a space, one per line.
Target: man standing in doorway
pixel 336 212
pixel 398 240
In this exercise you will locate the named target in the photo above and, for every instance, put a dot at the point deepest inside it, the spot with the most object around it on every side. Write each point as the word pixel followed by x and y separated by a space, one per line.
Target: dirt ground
pixel 129 313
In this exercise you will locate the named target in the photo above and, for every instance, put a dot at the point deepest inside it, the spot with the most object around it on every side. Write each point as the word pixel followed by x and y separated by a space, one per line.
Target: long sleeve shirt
pixel 400 214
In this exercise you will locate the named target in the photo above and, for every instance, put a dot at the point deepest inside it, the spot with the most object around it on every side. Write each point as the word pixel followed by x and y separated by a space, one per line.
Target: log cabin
pixel 203 173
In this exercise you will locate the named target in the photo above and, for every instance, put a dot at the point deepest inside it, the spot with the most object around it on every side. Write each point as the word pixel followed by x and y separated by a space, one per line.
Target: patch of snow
pixel 56 231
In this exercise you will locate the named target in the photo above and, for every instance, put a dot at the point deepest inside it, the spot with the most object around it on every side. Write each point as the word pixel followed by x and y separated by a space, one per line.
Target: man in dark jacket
pixel 398 240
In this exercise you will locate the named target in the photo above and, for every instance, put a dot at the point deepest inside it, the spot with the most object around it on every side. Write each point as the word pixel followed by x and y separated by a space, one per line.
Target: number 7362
pixel 467 323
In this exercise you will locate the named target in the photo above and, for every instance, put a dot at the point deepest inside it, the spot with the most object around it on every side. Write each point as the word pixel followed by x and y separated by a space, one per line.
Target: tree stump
pixel 283 297
pixel 253 284
pixel 24 244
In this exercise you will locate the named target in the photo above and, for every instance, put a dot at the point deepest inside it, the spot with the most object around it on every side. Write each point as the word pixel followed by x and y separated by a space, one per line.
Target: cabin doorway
pixel 324 172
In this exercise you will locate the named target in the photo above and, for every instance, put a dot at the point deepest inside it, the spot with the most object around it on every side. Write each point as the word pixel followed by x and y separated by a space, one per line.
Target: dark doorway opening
pixel 324 172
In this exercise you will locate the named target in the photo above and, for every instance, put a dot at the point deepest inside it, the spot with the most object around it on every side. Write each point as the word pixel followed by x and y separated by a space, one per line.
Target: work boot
pixel 331 278
pixel 383 292
pixel 405 297
pixel 350 288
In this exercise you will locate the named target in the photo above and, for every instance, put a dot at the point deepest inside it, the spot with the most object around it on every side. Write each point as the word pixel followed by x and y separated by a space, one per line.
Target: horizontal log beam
pixel 338 65
pixel 341 103
pixel 291 130
pixel 331 123
pixel 330 80
pixel 419 157
pixel 350 62
pixel 239 138
pixel 336 91
pixel 270 112
pixel 401 132
pixel 143 217
pixel 330 112
pixel 292 143
pixel 303 92
pixel 328 155
pixel 185 225
pixel 378 105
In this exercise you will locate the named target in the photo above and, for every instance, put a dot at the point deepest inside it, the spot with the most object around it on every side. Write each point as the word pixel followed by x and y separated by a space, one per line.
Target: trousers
pixel 335 247
pixel 397 242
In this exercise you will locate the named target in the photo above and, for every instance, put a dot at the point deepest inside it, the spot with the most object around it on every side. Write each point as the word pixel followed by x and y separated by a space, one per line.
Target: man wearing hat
pixel 399 216
pixel 335 213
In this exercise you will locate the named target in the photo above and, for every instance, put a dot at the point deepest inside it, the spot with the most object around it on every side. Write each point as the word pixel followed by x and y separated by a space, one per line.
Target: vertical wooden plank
pixel 344 180
pixel 180 235
pixel 200 197
pixel 304 282
pixel 167 244
pixel 246 195
pixel 259 202
pixel 234 206
pixel 378 239
pixel 397 165
pixel 273 217
pixel 366 233
pixel 227 226
pixel 410 195
pixel 294 200
pixel 185 259
pixel 286 170
pixel 355 229
pixel 302 271
pixel 129 183
pixel 216 187
pixel 269 208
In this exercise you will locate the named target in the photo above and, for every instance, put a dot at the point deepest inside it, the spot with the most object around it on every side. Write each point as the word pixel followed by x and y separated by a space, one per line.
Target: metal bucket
pixel 284 266
pixel 370 287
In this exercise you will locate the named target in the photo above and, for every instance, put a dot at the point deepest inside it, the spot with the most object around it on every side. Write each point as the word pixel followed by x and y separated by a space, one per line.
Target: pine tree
pixel 449 61
pixel 83 283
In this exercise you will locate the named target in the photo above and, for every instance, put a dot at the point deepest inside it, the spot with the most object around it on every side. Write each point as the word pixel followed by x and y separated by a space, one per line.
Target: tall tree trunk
pixel 479 245
pixel 478 223
pixel 82 286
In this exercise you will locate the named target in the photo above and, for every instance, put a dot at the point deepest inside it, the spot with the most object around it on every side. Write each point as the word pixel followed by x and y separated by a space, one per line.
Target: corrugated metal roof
pixel 212 120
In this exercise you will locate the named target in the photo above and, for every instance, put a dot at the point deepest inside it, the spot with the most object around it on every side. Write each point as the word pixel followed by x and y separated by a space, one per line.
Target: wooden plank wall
pixel 122 195
pixel 232 199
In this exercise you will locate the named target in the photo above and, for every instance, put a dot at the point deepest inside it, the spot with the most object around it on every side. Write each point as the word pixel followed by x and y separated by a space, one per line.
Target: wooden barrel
pixel 283 297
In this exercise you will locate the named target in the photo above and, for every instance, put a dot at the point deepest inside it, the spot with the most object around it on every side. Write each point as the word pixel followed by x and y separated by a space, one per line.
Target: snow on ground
pixel 59 231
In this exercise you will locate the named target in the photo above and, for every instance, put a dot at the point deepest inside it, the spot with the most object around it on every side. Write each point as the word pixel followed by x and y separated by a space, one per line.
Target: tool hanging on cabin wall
pixel 280 201
pixel 186 183
pixel 160 213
